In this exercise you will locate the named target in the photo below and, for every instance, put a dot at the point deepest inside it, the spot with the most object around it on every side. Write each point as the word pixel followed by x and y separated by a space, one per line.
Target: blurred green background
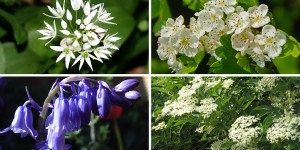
pixel 22 52
pixel 286 14
pixel 133 123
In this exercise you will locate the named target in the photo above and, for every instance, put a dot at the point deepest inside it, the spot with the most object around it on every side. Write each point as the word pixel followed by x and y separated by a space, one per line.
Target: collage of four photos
pixel 149 74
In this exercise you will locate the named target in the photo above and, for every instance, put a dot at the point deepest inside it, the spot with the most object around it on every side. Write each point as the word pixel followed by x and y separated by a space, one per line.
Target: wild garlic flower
pixel 271 40
pixel 284 128
pixel 243 130
pixel 83 37
pixel 258 15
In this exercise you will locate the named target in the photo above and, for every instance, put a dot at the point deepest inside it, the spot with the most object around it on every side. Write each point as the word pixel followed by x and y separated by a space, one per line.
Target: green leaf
pixel 19 32
pixel 228 63
pixel 2 59
pixel 159 67
pixel 165 12
pixel 139 47
pixel 129 6
pixel 267 122
pixel 287 65
pixel 263 110
pixel 25 62
pixel 191 64
pixel 2 32
pixel 228 144
pixel 125 24
pixel 155 8
pixel 248 3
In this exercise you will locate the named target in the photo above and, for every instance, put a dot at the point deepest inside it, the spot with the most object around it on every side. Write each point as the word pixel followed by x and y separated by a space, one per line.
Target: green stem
pixel 118 134
pixel 43 113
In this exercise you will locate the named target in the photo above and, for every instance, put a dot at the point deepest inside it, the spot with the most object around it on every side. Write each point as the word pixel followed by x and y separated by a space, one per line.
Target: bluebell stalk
pixel 70 112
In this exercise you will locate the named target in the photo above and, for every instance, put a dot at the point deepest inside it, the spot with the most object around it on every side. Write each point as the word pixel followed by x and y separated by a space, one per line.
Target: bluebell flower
pixel 56 128
pixel 132 95
pixel 126 85
pixel 103 101
pixel 22 123
pixel 74 121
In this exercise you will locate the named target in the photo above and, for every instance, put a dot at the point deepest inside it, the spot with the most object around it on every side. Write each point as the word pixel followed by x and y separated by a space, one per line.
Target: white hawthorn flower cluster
pixel 220 17
pixel 286 127
pixel 207 107
pixel 83 38
pixel 159 126
pixel 243 131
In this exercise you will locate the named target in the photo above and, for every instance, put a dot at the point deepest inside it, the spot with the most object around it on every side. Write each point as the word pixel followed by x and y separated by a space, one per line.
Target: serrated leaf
pixel 19 32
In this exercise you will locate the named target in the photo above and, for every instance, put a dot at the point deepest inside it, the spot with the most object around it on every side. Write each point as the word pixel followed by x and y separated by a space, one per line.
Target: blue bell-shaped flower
pixel 22 123
pixel 132 96
pixel 103 101
pixel 126 85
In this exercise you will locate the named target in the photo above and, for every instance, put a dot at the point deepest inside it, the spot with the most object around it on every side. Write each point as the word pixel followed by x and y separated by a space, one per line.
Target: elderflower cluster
pixel 188 101
pixel 159 126
pixel 217 145
pixel 286 100
pixel 284 128
pixel 83 37
pixel 207 107
pixel 227 83
pixel 243 132
pixel 266 83
pixel 218 18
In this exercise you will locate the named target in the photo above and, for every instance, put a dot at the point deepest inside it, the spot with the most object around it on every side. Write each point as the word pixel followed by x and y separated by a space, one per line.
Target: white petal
pixel 269 31
pixel 65 32
pixel 88 61
pixel 99 30
pixel 78 21
pixel 81 63
pixel 57 48
pixel 61 56
pixel 76 46
pixel 280 38
pixel 261 40
pixel 63 24
pixel 45 38
pixel 76 4
pixel 86 46
pixel 77 34
pixel 48 26
pixel 72 55
pixel 67 61
pixel 90 17
pixel 87 8
pixel 77 59
pixel 69 15
pixel 264 9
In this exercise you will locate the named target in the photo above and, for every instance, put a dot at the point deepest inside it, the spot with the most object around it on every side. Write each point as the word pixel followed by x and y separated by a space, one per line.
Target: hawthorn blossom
pixel 186 43
pixel 224 5
pixel 272 41
pixel 242 41
pixel 257 55
pixel 166 49
pixel 237 22
pixel 196 27
pixel 210 18
pixel 172 26
pixel 258 15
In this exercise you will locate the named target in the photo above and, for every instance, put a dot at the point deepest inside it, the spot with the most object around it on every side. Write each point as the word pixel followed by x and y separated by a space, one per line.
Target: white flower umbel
pixel 82 36
pixel 217 145
pixel 159 126
pixel 227 83
pixel 258 15
pixel 286 127
pixel 243 130
pixel 207 107
pixel 271 40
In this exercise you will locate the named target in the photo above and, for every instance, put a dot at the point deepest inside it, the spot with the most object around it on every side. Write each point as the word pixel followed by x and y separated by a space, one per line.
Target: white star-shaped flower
pixel 58 12
pixel 258 15
pixel 84 56
pixel 66 48
pixel 272 41
pixel 49 33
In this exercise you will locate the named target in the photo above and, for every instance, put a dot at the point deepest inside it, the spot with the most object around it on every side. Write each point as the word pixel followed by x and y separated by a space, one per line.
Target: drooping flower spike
pixel 83 38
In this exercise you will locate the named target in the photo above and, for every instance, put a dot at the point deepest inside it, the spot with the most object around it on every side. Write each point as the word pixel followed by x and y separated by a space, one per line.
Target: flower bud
pixel 103 101
pixel 126 85
pixel 132 96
